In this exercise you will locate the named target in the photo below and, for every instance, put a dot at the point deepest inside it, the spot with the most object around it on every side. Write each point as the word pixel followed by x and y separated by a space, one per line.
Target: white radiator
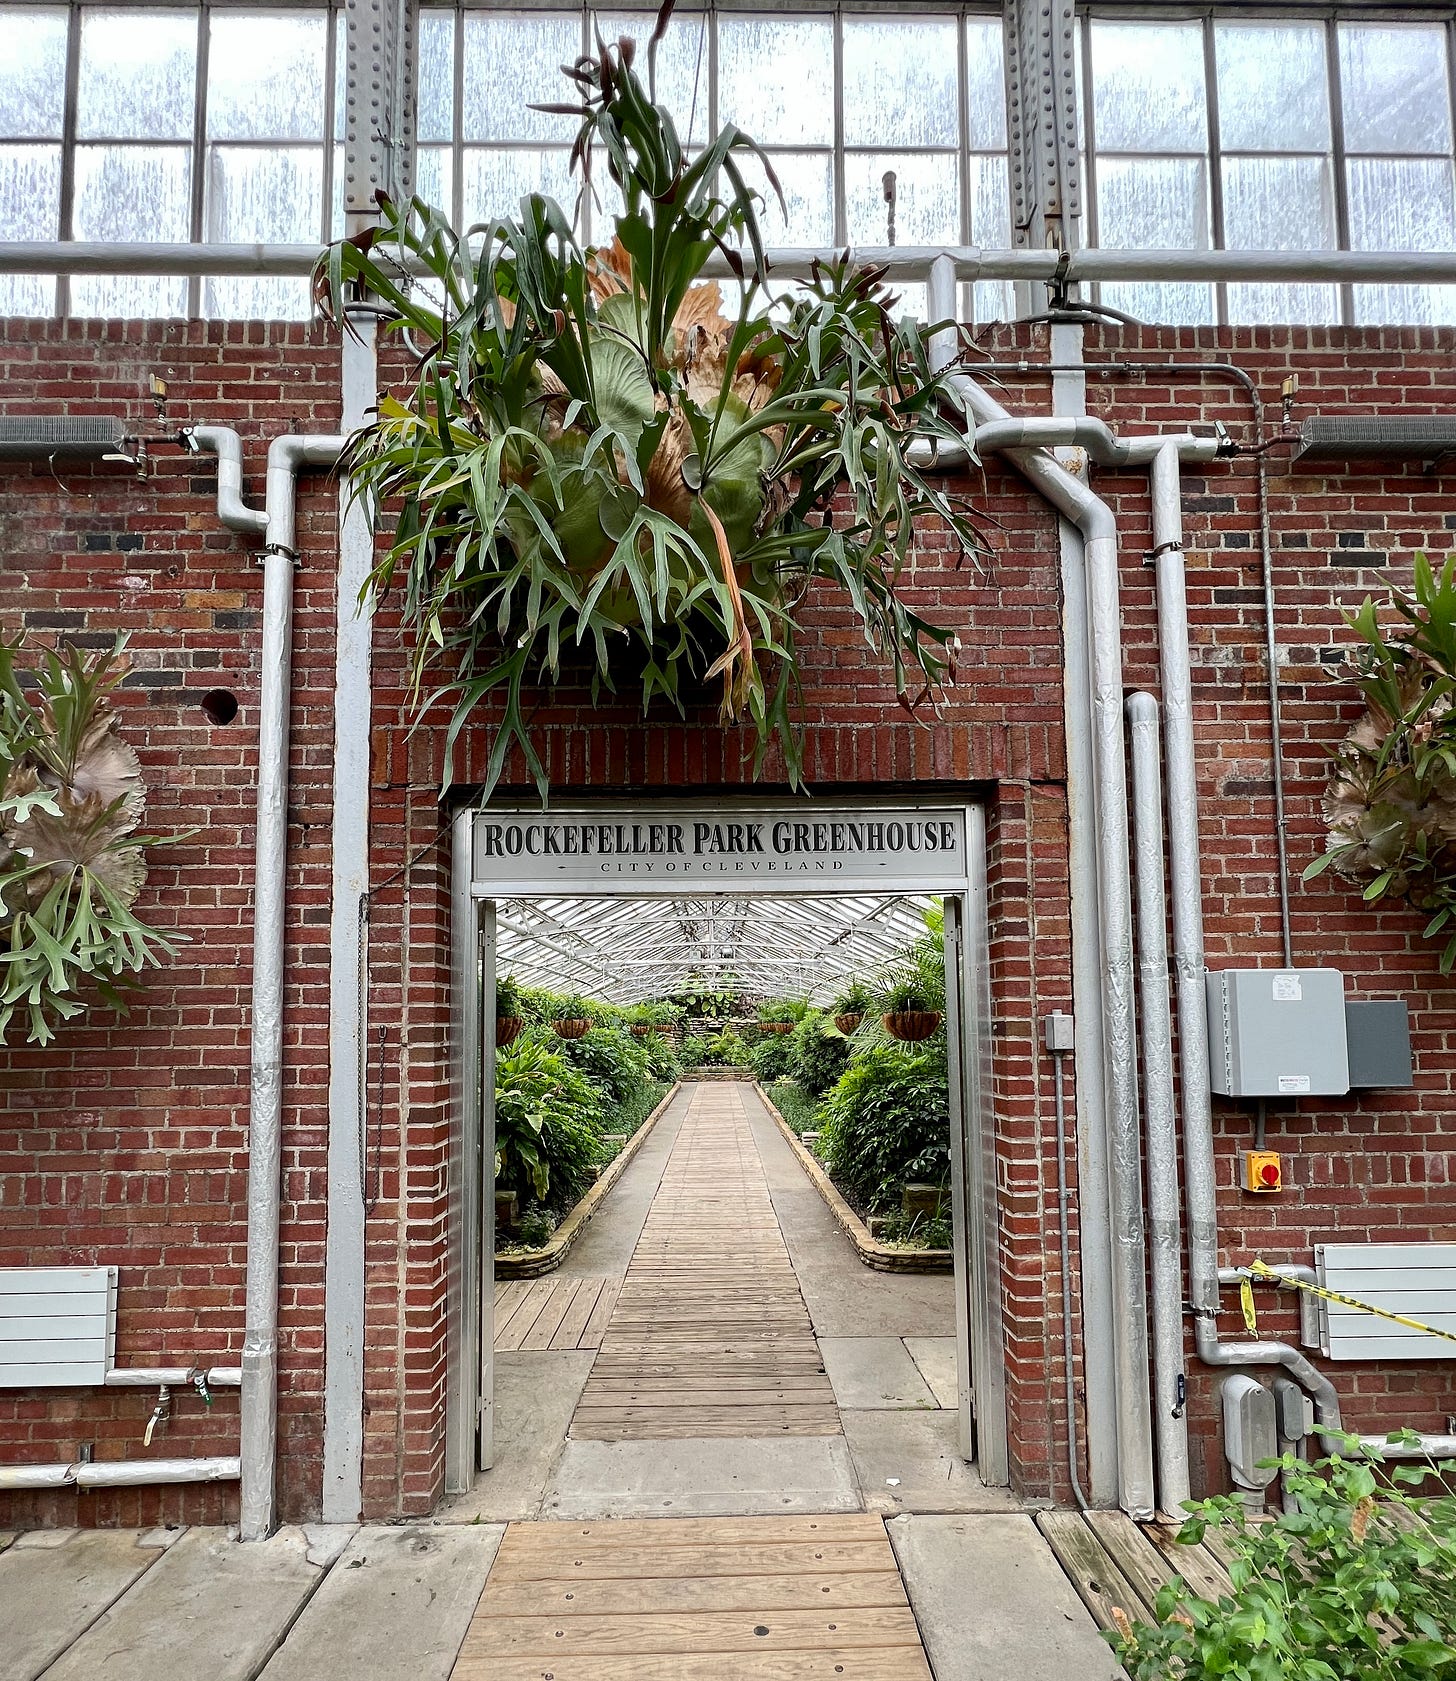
pixel 1414 1279
pixel 57 1326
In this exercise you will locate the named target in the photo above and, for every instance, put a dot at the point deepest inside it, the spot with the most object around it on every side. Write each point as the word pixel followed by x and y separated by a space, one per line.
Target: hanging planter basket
pixel 776 1027
pixel 663 1027
pixel 911 1026
pixel 574 1028
pixel 642 1029
pixel 847 1023
pixel 508 1029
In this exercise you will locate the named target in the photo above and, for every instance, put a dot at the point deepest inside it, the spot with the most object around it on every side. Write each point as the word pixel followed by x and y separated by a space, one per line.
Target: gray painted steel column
pixel 348 980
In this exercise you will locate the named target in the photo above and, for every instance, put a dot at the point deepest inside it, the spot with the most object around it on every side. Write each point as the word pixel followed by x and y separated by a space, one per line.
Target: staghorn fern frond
pixel 71 862
pixel 595 452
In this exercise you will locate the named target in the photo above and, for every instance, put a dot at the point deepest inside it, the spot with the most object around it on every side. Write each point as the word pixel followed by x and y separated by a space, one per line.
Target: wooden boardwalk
pixel 555 1312
pixel 709 1335
pixel 695 1599
pixel 1116 1564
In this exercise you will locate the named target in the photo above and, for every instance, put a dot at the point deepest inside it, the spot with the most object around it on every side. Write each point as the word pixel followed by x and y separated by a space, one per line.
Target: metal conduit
pixel 118 1473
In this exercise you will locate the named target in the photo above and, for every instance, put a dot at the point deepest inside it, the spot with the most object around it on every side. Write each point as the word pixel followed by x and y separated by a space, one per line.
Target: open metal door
pixel 485 1271
pixel 980 1371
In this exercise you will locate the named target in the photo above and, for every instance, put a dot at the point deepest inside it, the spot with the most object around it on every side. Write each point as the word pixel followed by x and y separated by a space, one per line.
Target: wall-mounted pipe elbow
pixel 227 446
pixel 286 456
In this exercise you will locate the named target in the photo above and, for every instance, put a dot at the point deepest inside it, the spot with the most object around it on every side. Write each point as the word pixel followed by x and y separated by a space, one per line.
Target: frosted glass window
pixel 927 198
pixel 807 182
pixel 513 61
pixel 1393 88
pixel 435 176
pixel 138 75
pixel 776 79
pixel 1157 204
pixel 682 63
pixel 1273 87
pixel 272 195
pixel 900 82
pixel 131 192
pixel 1278 204
pixel 437 76
pixel 985 84
pixel 33 75
pixel 30 197
pixel 495 181
pixel 990 204
pixel 1147 87
pixel 265 77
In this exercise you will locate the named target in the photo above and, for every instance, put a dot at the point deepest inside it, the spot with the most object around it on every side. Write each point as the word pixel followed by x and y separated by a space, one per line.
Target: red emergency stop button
pixel 1262 1171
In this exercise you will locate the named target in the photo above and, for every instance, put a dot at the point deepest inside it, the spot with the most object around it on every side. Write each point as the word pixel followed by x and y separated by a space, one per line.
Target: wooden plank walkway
pixel 1116 1564
pixel 559 1313
pixel 695 1599
pixel 709 1335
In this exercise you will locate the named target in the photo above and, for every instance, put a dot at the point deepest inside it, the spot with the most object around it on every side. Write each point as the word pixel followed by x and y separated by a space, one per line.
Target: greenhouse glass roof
pixel 626 950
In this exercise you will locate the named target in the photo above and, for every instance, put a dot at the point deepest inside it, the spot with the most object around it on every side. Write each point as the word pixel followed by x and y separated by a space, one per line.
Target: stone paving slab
pixel 395 1607
pixel 992 1602
pixel 874 1373
pixel 54 1586
pixel 910 1462
pixel 935 1359
pixel 208 1607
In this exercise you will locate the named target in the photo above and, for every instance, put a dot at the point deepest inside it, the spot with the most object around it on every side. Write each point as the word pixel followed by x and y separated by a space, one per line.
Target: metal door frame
pixel 980 1348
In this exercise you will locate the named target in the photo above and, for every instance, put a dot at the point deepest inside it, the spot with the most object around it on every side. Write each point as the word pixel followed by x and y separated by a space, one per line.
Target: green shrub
pixel 548 1123
pixel 628 1115
pixel 796 1106
pixel 662 1059
pixel 509 998
pixel 887 1123
pixel 1359 1584
pixel 691 1050
pixel 772 1057
pixel 725 1050
pixel 918 1231
pixel 820 1052
pixel 783 1009
pixel 855 999
pixel 615 1062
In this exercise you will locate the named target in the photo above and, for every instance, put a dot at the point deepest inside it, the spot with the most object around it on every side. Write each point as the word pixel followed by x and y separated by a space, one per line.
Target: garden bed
pixel 534 1263
pixel 883 1257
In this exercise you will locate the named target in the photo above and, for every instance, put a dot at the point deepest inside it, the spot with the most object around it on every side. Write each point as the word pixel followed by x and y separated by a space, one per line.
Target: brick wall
pixel 125 1143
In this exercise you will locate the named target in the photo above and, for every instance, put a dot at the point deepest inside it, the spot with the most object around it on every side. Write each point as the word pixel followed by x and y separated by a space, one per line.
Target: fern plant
pixel 596 451
pixel 71 861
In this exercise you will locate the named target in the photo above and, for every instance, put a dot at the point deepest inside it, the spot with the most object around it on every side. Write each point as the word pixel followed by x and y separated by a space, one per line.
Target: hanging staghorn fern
pixel 71 864
pixel 1391 803
pixel 596 452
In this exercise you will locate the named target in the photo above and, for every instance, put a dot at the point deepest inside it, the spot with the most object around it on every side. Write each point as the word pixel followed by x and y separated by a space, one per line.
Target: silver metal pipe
pixel 901 262
pixel 172 1377
pixel 1160 1114
pixel 1094 519
pixel 1074 1470
pixel 1308 1306
pixel 286 456
pixel 227 446
pixel 118 1473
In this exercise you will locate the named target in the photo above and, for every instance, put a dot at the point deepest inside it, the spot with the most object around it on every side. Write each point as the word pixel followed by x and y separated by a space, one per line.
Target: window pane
pixel 1393 88
pixel 30 199
pixel 1402 204
pixel 1156 204
pixel 927 198
pixel 497 180
pixel 138 75
pixel 256 300
pixel 132 192
pixel 776 79
pixel 1147 87
pixel 33 76
pixel 682 63
pixel 1273 92
pixel 437 75
pixel 807 182
pixel 990 204
pixel 900 83
pixel 265 77
pixel 265 194
pixel 435 177
pixel 513 61
pixel 986 82
pixel 1278 204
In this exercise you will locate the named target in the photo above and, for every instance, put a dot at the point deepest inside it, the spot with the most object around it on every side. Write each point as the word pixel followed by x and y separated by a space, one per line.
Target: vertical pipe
pixel 343 1488
pixel 1186 883
pixel 462 1397
pixel 1159 1109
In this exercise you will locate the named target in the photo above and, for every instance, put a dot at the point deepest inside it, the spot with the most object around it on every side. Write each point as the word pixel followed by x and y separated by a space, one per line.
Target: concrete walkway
pixel 398 1603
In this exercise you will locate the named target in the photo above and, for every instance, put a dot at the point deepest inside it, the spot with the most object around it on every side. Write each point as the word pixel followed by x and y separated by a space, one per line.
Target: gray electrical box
pixel 1277 1033
pixel 1250 1431
pixel 1378 1031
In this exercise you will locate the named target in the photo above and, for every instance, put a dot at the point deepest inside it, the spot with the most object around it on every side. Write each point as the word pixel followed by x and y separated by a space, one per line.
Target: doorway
pixel 615 856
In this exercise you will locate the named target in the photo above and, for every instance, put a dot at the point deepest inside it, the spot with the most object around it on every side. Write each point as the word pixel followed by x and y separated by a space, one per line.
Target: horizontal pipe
pixel 172 1377
pixel 227 446
pixel 901 262
pixel 1296 1273
pixel 118 1473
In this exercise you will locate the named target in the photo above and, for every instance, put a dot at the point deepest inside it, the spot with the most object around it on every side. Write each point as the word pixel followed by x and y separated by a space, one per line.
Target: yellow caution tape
pixel 1259 1270
pixel 1246 1298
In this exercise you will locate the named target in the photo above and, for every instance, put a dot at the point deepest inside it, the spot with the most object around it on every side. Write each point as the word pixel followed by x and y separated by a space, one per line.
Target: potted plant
pixel 71 861
pixel 851 1007
pixel 909 1008
pixel 781 1015
pixel 510 1019
pixel 574 1020
pixel 595 452
pixel 643 1020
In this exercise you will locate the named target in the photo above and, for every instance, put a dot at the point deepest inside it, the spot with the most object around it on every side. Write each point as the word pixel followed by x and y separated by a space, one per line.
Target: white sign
pixel 808 845
pixel 1287 989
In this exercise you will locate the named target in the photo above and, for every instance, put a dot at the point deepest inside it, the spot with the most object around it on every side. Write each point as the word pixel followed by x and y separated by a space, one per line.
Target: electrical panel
pixel 1378 1031
pixel 1277 1033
